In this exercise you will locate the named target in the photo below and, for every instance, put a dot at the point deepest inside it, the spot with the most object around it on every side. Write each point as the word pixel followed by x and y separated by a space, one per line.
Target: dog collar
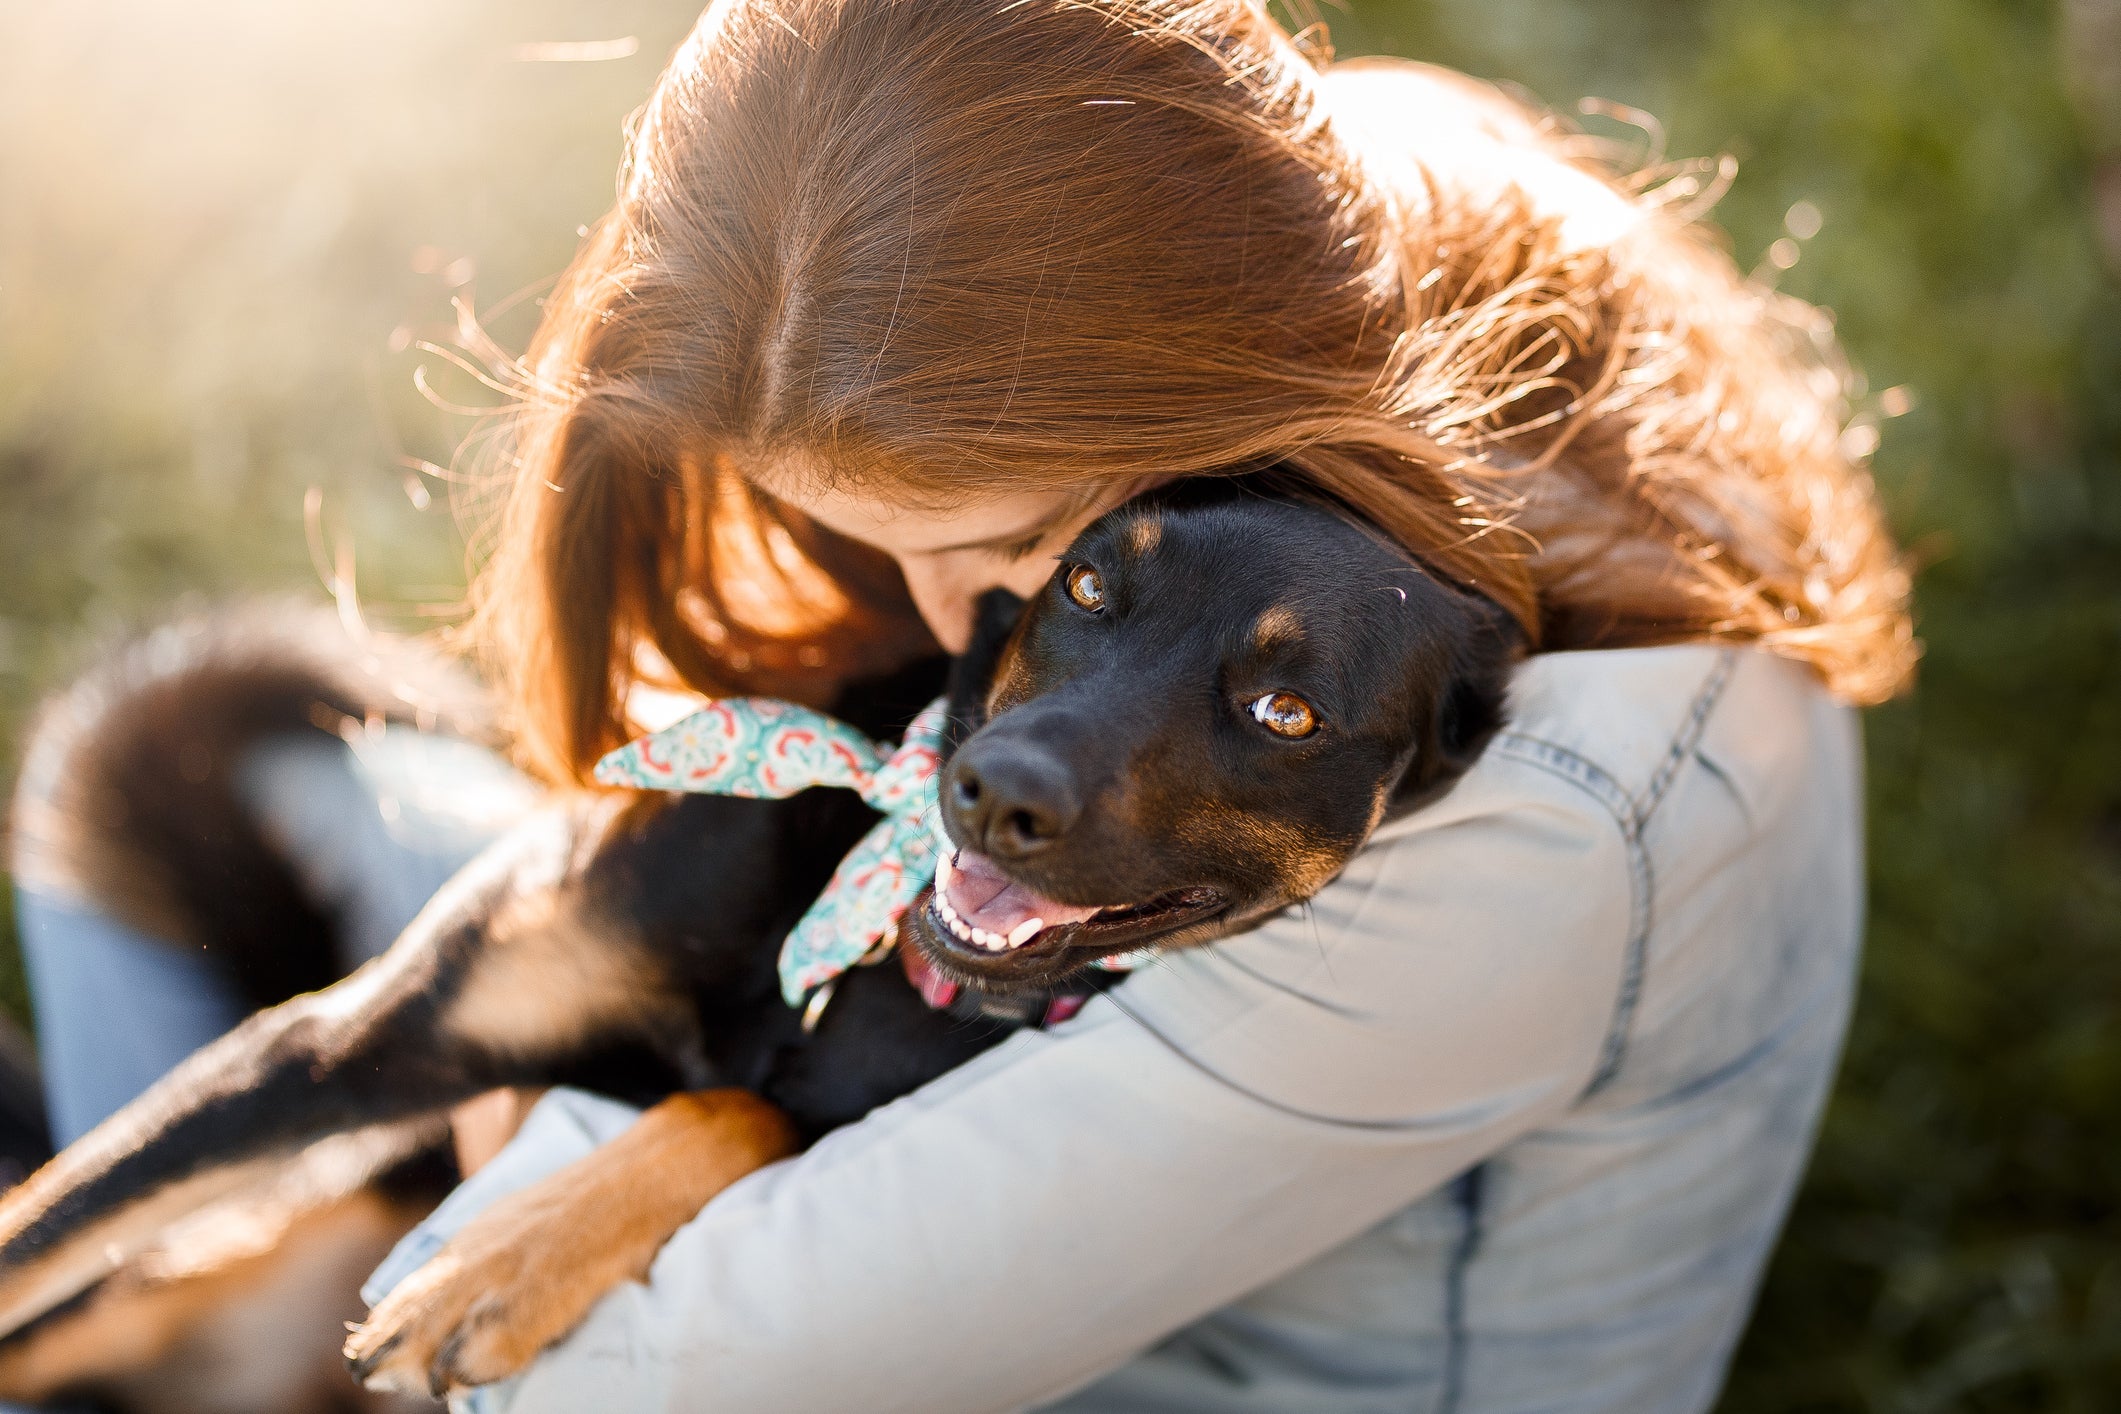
pixel 761 748
pixel 941 994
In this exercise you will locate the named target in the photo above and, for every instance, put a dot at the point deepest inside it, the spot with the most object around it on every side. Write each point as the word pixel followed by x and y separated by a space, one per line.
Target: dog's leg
pixel 240 1318
pixel 505 974
pixel 526 1272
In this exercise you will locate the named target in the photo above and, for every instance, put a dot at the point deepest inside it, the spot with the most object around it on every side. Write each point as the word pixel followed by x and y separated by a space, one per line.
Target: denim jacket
pixel 1507 1119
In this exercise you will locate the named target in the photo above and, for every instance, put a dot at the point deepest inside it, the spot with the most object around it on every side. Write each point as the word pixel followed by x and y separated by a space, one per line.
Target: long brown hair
pixel 954 248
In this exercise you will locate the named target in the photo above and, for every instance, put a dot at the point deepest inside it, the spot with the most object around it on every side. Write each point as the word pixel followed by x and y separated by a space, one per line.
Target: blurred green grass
pixel 221 227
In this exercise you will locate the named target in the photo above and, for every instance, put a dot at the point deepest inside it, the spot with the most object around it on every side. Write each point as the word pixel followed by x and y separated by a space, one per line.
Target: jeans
pixel 374 830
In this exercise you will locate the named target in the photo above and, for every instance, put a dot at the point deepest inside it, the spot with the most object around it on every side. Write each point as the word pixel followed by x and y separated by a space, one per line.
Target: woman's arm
pixel 1042 1214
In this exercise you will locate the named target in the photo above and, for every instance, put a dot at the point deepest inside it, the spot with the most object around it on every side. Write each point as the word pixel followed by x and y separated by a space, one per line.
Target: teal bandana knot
pixel 763 749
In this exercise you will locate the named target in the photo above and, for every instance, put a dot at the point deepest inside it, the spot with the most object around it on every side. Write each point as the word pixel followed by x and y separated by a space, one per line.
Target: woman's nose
pixel 946 588
pixel 943 597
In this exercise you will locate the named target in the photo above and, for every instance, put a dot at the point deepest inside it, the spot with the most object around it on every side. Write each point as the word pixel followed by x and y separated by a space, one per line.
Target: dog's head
pixel 1207 711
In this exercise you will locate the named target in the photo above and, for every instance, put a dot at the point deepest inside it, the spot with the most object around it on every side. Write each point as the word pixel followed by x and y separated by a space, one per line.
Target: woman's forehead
pixel 905 513
pixel 904 527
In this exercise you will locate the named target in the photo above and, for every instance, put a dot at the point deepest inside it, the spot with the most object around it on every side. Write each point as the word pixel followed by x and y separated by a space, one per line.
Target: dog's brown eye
pixel 1086 587
pixel 1285 714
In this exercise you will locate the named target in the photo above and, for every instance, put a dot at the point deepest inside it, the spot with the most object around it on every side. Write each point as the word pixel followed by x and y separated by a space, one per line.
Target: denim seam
pixel 1467 1195
pixel 1689 736
pixel 1632 815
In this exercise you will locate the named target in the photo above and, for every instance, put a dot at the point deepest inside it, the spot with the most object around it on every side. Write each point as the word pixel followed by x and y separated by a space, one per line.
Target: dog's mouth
pixel 982 917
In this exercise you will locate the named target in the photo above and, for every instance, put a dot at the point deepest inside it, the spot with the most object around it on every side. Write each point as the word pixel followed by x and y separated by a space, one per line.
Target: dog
pixel 1215 701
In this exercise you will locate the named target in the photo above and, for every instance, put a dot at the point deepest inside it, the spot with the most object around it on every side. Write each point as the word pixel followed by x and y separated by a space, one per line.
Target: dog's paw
pixel 526 1271
pixel 477 1313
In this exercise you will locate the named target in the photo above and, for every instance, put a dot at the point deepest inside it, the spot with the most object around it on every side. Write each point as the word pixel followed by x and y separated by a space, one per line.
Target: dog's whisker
pixel 1318 939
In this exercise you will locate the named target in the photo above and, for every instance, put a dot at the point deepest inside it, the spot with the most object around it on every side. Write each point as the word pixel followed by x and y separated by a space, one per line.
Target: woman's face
pixel 949 558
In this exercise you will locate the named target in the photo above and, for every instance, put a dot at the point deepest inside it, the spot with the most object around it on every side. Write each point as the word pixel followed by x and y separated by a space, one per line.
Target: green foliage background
pixel 224 227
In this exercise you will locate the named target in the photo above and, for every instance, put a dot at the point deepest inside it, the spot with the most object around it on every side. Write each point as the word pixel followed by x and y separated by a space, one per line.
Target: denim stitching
pixel 1577 770
pixel 1689 736
pixel 1467 1191
pixel 1633 817
pixel 1683 744
pixel 1607 791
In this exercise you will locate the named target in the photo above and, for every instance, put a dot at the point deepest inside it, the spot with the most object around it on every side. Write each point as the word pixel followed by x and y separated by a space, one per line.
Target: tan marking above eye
pixel 1145 534
pixel 1086 587
pixel 1284 714
pixel 1276 628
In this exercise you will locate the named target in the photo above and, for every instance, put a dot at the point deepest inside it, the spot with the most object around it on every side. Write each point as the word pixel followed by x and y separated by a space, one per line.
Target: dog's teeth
pixel 982 938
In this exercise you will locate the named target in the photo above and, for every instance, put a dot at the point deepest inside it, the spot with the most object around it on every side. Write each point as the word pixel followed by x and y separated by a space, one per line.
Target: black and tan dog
pixel 1206 713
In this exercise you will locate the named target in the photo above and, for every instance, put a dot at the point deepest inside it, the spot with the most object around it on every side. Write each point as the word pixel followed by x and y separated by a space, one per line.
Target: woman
pixel 897 295
pixel 1511 1117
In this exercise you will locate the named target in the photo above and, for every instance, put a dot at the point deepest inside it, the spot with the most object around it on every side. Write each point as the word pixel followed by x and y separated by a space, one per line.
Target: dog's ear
pixel 994 619
pixel 1457 716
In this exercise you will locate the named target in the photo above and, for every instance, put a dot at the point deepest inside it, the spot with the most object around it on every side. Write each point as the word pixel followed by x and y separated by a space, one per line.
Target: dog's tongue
pixel 986 898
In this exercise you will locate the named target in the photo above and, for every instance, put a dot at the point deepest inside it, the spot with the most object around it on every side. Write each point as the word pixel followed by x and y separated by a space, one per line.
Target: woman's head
pixel 891 284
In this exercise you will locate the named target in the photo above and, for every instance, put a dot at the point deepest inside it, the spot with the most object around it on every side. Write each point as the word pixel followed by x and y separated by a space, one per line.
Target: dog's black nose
pixel 1009 802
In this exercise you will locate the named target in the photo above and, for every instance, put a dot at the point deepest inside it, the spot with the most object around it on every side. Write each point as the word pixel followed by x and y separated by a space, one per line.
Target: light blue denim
pixel 1507 1123
pixel 115 1009
pixel 374 830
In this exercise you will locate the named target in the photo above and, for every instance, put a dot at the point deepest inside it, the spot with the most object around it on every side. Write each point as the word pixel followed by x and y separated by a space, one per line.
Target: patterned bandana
pixel 763 749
